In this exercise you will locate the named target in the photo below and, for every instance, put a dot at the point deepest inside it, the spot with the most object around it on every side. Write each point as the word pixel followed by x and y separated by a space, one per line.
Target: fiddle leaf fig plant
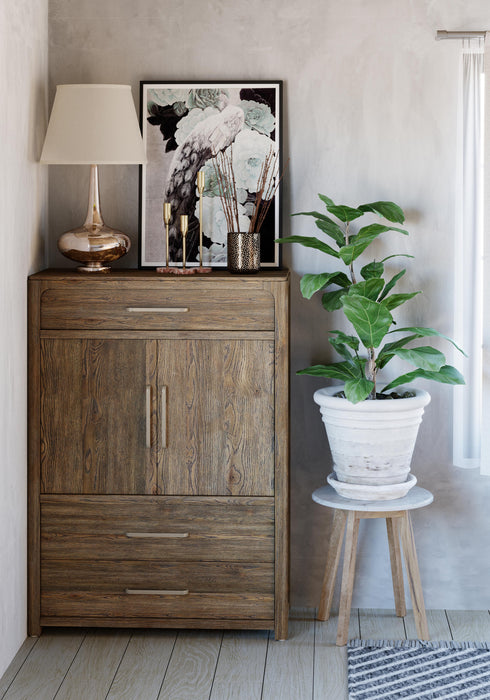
pixel 367 299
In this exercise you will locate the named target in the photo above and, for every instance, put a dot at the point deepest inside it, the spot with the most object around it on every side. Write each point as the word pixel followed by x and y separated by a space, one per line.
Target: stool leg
pixel 396 566
pixel 350 551
pixel 333 556
pixel 413 576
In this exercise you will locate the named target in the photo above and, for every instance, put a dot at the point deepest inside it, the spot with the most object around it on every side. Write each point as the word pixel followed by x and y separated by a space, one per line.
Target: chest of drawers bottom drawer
pixel 161 590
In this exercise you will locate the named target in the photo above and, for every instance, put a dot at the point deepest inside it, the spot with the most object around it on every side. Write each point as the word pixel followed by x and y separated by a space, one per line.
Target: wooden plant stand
pixel 347 515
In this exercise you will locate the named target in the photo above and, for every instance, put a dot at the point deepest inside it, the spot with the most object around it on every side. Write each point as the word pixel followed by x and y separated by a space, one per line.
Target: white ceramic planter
pixel 371 442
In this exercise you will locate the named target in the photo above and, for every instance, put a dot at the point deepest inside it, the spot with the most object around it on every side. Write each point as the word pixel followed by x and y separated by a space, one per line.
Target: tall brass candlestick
pixel 167 213
pixel 200 189
pixel 184 226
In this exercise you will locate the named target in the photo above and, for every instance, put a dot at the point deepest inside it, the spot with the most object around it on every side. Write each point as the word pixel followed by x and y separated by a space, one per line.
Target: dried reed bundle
pixel 267 184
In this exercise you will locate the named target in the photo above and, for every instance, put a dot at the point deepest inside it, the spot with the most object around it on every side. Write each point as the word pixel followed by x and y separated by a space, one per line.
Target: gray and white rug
pixel 415 670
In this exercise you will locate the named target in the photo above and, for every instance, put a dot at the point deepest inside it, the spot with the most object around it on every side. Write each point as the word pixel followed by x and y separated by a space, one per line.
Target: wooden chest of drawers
pixel 158 450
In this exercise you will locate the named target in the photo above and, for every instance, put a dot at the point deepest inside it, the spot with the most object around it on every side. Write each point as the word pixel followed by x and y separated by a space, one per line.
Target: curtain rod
pixel 443 34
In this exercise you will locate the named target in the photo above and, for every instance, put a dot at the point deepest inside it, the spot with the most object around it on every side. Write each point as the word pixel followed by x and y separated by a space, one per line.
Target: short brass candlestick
pixel 184 227
pixel 167 213
pixel 200 189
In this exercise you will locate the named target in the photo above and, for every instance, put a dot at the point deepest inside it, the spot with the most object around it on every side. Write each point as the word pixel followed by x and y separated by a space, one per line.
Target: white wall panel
pixel 23 198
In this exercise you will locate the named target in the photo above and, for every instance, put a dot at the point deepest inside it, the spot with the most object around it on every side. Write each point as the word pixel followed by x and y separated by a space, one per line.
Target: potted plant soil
pixel 371 429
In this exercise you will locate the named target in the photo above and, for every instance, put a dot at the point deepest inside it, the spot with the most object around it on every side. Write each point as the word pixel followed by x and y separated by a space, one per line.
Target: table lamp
pixel 93 125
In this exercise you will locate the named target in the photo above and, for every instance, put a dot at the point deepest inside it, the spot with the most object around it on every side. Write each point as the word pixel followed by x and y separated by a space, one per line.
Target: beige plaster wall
pixel 370 113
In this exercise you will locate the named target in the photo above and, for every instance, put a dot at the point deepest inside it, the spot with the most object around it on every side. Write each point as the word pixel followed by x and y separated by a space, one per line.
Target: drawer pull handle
pixel 151 591
pixel 164 416
pixel 157 309
pixel 158 535
pixel 148 416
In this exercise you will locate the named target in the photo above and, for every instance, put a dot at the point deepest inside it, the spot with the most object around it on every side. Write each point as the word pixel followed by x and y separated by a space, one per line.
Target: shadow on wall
pixel 311 461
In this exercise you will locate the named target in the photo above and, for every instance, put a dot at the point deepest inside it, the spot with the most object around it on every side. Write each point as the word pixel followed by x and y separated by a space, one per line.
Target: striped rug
pixel 415 670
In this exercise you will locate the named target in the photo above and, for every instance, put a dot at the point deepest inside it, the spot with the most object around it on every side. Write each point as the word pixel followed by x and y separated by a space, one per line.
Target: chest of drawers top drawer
pixel 172 306
pixel 156 528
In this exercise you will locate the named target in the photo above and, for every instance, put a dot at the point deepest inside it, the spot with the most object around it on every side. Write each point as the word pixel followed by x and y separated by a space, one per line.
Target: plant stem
pixel 352 274
pixel 351 266
pixel 371 371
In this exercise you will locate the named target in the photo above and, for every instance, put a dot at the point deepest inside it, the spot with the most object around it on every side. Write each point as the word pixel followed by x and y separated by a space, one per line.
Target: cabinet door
pixel 97 406
pixel 216 417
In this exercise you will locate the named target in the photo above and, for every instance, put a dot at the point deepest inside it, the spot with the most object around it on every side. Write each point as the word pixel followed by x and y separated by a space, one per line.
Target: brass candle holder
pixel 200 189
pixel 184 227
pixel 167 213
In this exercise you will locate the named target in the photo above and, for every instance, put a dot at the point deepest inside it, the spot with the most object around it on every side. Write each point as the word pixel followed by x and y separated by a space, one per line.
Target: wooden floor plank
pixel 289 668
pixel 330 666
pixel 192 667
pixel 143 667
pixel 46 666
pixel 381 624
pixel 95 665
pixel 469 625
pixel 439 629
pixel 76 665
pixel 16 664
pixel 241 664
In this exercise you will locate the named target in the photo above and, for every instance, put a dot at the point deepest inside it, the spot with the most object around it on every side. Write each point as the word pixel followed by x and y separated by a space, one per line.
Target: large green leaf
pixel 389 285
pixel 343 212
pixel 423 357
pixel 313 283
pixel 357 389
pixel 372 269
pixel 341 348
pixel 389 210
pixel 377 228
pixel 325 224
pixel 315 214
pixel 331 301
pixel 370 319
pixel 362 240
pixel 387 351
pixel 397 255
pixel 344 344
pixel 349 340
pixel 369 288
pixel 421 332
pixel 446 375
pixel 329 202
pixel 337 370
pixel 395 300
pixel 331 229
pixel 309 242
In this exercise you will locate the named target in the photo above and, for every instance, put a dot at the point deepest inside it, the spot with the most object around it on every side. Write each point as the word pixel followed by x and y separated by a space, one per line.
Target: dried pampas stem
pixel 267 184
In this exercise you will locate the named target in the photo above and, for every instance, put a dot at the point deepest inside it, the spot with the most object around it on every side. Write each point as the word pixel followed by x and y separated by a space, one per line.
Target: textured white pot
pixel 371 442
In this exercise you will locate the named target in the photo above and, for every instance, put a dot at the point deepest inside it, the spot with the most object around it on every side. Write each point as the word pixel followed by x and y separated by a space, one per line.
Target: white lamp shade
pixel 93 125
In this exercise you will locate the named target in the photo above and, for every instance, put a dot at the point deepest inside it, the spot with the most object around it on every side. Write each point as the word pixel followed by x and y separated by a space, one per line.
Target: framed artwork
pixel 186 128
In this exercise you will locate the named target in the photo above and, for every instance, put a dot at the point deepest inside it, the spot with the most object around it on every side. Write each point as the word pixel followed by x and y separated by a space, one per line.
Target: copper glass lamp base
pixel 94 244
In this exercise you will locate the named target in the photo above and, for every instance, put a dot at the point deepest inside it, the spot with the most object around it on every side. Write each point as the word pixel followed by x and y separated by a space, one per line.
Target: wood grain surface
pixel 158 664
pixel 158 449
pixel 130 308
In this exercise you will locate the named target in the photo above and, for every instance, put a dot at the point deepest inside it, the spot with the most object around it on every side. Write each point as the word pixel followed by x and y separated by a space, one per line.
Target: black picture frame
pixel 169 113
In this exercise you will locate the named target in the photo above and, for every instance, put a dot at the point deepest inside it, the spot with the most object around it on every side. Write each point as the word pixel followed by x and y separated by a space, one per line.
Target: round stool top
pixel 416 498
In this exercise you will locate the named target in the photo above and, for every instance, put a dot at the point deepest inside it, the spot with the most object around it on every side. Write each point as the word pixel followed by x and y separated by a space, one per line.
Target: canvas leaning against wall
pixel 184 127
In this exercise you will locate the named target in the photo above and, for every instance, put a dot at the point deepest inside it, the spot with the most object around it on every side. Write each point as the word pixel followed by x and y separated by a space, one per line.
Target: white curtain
pixel 467 445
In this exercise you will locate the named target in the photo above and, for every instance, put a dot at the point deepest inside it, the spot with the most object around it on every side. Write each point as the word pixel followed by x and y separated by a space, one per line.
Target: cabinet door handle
pixel 164 416
pixel 156 591
pixel 157 535
pixel 148 416
pixel 157 309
